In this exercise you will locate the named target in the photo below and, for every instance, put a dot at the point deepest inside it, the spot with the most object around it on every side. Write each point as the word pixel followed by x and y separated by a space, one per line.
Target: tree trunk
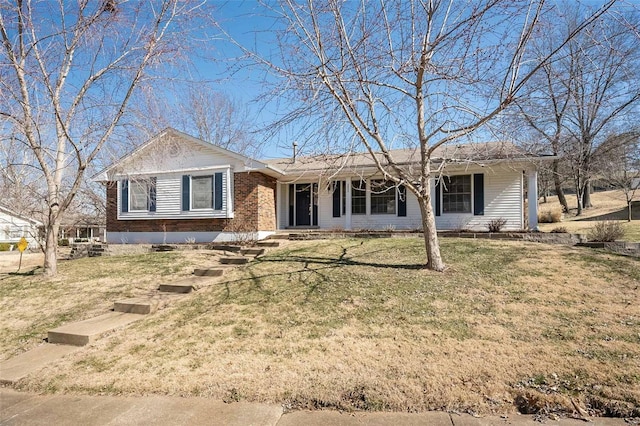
pixel 579 195
pixel 434 260
pixel 586 195
pixel 558 185
pixel 629 217
pixel 51 250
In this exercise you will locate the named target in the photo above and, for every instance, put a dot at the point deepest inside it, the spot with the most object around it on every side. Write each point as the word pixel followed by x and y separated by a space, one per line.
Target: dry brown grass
pixel 353 324
pixel 30 304
pixel 607 205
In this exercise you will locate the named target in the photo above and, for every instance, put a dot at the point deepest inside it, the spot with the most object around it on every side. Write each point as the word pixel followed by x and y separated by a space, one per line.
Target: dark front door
pixel 303 205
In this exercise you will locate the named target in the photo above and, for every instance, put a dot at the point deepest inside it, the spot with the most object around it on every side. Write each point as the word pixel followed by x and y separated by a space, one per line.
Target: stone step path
pixel 234 260
pixel 186 285
pixel 84 332
pixel 253 251
pixel 209 272
pixel 226 247
pixel 69 338
pixel 268 243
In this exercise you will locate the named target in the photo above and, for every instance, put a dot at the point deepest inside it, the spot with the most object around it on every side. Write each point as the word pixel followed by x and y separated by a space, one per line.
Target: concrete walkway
pixel 18 408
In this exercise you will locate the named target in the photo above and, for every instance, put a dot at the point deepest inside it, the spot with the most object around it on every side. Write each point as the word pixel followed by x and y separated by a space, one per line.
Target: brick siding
pixel 254 210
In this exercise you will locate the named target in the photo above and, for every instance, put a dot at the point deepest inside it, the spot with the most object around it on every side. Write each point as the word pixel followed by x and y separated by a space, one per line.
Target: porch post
pixel 347 208
pixel 532 198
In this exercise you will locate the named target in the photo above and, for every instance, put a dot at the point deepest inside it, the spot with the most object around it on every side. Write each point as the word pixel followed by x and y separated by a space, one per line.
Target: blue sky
pixel 249 24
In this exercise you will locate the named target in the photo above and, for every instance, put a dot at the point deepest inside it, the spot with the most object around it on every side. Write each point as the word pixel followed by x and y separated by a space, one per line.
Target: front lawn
pixel 357 324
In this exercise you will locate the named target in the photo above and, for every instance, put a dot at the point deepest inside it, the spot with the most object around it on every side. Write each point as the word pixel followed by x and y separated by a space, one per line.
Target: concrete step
pixel 254 251
pixel 284 236
pixel 14 369
pixel 138 305
pixel 208 272
pixel 84 332
pixel 162 247
pixel 234 260
pixel 226 247
pixel 185 285
pixel 267 243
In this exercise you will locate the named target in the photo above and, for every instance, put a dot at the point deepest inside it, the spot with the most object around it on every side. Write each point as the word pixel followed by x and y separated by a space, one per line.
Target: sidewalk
pixel 18 408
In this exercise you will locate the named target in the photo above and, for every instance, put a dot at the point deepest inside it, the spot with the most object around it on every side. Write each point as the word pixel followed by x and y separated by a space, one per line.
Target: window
pixel 383 197
pixel 456 194
pixel 359 197
pixel 202 192
pixel 139 195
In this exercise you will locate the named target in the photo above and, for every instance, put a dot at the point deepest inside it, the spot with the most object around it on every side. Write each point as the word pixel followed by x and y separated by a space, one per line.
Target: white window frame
pixel 142 182
pixel 444 191
pixel 373 193
pixel 191 193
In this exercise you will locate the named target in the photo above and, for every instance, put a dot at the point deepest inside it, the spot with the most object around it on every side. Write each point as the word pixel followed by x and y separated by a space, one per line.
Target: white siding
pixel 503 198
pixel 191 156
pixel 12 228
pixel 169 200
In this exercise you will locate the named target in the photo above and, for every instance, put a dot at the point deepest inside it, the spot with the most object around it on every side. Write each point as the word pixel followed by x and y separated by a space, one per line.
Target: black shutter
pixel 217 189
pixel 186 191
pixel 438 197
pixel 402 201
pixel 292 190
pixel 478 194
pixel 124 196
pixel 336 198
pixel 152 194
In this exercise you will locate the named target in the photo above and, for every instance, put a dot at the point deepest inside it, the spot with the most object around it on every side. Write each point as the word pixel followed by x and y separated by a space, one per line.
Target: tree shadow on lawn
pixel 314 264
pixel 24 273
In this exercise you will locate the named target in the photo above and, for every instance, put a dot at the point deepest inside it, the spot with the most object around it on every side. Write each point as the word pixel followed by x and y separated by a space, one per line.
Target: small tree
pixel 68 74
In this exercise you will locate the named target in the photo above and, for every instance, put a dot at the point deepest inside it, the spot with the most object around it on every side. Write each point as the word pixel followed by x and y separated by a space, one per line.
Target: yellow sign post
pixel 22 246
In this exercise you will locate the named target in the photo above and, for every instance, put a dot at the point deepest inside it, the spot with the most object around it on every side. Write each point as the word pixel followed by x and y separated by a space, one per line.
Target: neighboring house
pixel 176 188
pixel 14 226
pixel 78 227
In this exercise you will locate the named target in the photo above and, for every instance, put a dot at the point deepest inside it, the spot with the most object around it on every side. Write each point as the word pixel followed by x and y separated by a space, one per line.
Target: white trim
pixel 347 222
pixel 173 171
pixel 278 204
pixel 532 197
pixel 230 193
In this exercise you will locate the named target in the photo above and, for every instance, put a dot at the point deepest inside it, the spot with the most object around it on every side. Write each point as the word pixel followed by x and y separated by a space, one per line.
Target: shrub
pixel 606 231
pixel 495 225
pixel 559 230
pixel 63 242
pixel 5 246
pixel 550 216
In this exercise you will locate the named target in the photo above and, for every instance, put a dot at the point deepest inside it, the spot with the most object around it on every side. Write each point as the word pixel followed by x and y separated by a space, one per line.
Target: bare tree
pixel 604 86
pixel 597 76
pixel 204 112
pixel 418 74
pixel 545 106
pixel 67 77
pixel 617 163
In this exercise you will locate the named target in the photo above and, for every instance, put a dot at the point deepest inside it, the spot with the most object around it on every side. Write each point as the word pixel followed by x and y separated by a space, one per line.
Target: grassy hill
pixel 607 205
